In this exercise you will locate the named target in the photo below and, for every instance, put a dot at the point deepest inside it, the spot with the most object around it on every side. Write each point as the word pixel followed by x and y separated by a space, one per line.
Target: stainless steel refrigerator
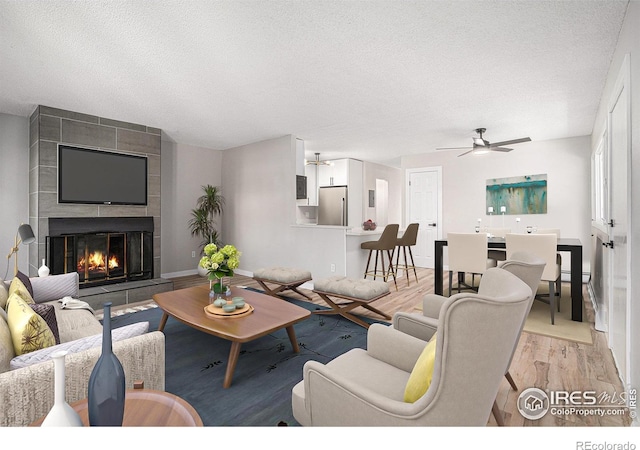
pixel 332 205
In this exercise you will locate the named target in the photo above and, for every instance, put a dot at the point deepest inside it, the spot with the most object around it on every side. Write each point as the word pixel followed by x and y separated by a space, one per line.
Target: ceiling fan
pixel 481 145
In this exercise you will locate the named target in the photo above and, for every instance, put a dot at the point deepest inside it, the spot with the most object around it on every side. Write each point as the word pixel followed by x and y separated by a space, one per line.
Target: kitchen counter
pixel 350 231
pixel 360 232
pixel 336 249
pixel 313 225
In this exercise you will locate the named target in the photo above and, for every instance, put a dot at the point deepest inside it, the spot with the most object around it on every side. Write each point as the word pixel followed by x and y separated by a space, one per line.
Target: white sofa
pixel 27 393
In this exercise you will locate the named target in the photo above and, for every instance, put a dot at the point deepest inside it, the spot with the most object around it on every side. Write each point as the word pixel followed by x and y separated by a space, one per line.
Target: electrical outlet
pixel 193 254
pixel 333 267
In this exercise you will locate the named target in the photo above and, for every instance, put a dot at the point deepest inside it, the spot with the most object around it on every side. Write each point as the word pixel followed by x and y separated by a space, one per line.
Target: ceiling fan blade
pixel 453 148
pixel 465 153
pixel 500 149
pixel 513 141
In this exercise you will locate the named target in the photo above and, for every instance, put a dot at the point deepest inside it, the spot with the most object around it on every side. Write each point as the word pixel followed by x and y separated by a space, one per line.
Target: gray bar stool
pixel 386 243
pixel 407 241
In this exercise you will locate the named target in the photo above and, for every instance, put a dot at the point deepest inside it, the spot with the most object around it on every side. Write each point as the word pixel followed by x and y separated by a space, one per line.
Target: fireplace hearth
pixel 102 250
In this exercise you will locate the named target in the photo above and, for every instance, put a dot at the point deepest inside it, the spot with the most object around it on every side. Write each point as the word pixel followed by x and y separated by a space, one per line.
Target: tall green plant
pixel 202 222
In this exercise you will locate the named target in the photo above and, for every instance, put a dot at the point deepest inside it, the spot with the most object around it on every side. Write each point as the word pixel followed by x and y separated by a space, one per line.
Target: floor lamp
pixel 25 236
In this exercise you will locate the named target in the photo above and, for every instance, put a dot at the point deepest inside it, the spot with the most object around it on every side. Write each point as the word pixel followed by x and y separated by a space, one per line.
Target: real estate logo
pixel 533 403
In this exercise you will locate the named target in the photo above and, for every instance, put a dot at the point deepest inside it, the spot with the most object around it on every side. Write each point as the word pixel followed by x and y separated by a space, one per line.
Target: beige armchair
pixel 366 387
pixel 526 266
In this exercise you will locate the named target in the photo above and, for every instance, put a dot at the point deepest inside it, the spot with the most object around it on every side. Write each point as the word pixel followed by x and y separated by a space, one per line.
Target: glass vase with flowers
pixel 219 263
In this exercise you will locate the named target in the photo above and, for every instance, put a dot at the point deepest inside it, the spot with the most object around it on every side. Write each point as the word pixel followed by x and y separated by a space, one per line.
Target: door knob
pixel 431 224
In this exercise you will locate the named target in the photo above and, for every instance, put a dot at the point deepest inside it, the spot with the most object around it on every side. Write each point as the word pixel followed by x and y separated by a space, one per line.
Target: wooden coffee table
pixel 269 315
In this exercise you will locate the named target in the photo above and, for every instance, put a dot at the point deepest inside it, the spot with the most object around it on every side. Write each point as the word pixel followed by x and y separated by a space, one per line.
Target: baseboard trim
pixel 183 273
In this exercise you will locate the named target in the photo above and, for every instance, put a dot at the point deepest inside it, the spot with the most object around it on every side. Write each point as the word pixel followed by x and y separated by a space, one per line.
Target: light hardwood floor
pixel 540 361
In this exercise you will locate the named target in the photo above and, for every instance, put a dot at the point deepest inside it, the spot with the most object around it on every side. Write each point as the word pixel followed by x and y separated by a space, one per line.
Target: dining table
pixel 571 245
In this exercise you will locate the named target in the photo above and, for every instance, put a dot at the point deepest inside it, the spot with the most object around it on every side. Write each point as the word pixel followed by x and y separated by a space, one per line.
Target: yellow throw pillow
pixel 422 373
pixel 18 287
pixel 29 331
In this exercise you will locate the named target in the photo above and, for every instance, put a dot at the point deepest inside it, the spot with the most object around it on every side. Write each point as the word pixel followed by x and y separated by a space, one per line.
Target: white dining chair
pixel 467 254
pixel 545 246
pixel 498 232
pixel 498 254
pixel 555 231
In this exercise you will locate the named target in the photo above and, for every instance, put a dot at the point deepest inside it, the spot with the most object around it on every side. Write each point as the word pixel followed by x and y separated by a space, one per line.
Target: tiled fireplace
pixel 135 275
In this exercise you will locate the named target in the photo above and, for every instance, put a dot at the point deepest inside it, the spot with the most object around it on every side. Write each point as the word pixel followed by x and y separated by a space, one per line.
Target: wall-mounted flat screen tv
pixel 89 176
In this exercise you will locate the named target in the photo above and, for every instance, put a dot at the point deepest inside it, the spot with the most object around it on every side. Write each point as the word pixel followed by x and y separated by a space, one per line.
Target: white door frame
pixel 408 172
pixel 622 87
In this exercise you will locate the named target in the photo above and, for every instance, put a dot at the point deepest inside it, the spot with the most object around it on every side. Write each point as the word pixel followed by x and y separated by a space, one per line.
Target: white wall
pixel 565 161
pixel 628 43
pixel 259 187
pixel 14 193
pixel 395 179
pixel 260 216
pixel 185 169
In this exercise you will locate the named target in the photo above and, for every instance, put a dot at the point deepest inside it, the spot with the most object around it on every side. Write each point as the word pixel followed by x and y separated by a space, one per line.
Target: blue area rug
pixel 267 369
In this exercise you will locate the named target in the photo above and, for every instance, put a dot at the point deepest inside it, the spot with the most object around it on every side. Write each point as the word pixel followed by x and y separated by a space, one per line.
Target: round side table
pixel 147 408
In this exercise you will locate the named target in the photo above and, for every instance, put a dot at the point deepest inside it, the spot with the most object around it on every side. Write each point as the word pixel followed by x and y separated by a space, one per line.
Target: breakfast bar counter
pixel 336 249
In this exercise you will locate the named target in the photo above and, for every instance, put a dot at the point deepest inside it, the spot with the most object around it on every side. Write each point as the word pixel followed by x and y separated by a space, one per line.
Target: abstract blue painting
pixel 519 195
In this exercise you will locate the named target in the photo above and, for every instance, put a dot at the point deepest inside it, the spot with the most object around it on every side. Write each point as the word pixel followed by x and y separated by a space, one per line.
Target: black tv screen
pixel 96 176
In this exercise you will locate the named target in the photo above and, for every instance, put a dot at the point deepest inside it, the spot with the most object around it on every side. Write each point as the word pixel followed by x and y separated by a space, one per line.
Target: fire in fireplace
pixel 98 263
pixel 124 253
pixel 101 255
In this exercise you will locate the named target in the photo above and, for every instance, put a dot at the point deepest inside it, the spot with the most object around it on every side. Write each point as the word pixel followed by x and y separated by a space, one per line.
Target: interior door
pixel 619 276
pixel 424 206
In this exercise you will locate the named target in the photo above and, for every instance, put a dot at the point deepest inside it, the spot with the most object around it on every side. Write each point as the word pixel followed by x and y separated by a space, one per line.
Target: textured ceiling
pixel 366 79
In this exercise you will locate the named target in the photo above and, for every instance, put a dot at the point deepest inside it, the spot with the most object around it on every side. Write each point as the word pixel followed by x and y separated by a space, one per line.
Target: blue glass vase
pixel 106 384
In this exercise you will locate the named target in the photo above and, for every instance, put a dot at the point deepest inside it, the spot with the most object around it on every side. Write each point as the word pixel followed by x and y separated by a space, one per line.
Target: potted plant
pixel 202 221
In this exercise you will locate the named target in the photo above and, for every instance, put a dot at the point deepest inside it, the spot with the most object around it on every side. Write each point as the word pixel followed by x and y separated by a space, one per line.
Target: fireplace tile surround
pixel 50 127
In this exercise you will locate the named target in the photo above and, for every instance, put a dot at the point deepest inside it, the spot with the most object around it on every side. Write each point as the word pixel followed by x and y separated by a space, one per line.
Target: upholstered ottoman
pixel 284 278
pixel 344 294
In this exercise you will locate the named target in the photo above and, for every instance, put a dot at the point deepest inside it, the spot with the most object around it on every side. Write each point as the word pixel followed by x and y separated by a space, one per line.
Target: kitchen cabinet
pixel 341 172
pixel 346 172
pixel 334 174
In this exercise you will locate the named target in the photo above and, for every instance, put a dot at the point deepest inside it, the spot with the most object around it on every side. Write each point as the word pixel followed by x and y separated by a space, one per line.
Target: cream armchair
pixel 366 387
pixel 526 266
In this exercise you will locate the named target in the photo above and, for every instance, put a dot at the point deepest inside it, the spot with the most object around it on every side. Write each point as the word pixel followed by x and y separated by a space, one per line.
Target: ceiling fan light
pixel 480 151
pixel 317 161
